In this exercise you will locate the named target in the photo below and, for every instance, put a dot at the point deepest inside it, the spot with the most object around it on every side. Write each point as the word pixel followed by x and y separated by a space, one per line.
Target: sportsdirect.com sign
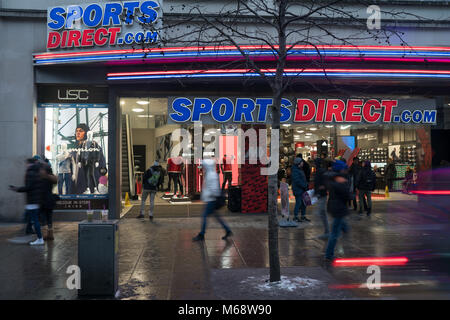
pixel 300 110
pixel 100 24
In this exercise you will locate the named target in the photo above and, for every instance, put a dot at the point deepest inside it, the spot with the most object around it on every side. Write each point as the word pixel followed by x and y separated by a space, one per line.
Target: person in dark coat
pixel 366 183
pixel 320 192
pixel 49 200
pixel 299 187
pixel 151 180
pixel 34 195
pixel 306 168
pixel 353 172
pixel 390 173
pixel 339 194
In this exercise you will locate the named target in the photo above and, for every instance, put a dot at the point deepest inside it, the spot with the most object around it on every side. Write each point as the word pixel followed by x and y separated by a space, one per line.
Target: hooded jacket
pixel 148 173
pixel 210 189
pixel 338 195
pixel 299 183
pixel 34 187
pixel 366 179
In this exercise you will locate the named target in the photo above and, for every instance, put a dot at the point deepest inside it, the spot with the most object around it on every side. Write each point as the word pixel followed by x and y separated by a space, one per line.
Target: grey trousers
pixel 321 210
pixel 145 194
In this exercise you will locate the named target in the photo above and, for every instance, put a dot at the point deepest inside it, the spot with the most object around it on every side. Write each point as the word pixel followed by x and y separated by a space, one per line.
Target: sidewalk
pixel 159 260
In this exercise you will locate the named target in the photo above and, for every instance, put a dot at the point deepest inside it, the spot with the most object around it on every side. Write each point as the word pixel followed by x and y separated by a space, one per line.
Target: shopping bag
pixel 309 198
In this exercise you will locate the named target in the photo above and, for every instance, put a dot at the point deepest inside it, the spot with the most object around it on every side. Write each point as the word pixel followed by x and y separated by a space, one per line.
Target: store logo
pixel 73 95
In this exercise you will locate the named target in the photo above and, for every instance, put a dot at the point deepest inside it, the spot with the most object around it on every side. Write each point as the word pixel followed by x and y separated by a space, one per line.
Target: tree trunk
pixel 274 259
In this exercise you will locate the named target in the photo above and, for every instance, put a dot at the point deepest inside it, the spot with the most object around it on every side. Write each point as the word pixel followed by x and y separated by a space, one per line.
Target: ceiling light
pixel 145 116
pixel 301 131
pixel 122 102
pixel 328 126
pixel 142 102
pixel 286 125
pixel 313 129
pixel 137 109
pixel 345 127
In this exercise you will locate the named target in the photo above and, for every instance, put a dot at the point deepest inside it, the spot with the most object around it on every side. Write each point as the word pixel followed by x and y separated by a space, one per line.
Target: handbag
pixel 306 198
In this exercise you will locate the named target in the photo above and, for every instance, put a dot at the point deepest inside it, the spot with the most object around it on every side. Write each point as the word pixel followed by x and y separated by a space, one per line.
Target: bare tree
pixel 278 26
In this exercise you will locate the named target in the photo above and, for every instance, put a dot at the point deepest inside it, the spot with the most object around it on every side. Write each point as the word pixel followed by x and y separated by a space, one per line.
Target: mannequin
pixel 174 169
pixel 227 170
pixel 64 169
pixel 90 156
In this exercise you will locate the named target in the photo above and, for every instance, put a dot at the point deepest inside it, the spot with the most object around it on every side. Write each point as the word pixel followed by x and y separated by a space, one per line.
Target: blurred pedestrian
pixel 390 173
pixel 320 192
pixel 49 199
pixel 338 188
pixel 366 184
pixel 34 196
pixel 210 194
pixel 299 187
pixel 354 172
pixel 151 180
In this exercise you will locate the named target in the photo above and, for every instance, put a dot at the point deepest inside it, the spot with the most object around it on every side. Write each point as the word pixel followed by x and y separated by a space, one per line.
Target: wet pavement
pixel 159 261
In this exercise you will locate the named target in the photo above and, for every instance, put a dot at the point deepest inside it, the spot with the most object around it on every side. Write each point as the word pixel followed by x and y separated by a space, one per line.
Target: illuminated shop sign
pixel 302 110
pixel 100 24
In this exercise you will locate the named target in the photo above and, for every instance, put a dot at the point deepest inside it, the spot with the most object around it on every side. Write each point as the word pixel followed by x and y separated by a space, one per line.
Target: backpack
pixel 154 178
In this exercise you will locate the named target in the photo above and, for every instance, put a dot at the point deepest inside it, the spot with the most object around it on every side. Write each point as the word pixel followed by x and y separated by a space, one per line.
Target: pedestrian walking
pixel 34 195
pixel 210 194
pixel 354 172
pixel 337 186
pixel 299 187
pixel 366 184
pixel 390 173
pixel 151 180
pixel 49 199
pixel 320 192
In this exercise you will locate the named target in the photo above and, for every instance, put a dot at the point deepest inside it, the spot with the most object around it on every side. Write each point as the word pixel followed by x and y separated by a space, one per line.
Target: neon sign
pixel 78 26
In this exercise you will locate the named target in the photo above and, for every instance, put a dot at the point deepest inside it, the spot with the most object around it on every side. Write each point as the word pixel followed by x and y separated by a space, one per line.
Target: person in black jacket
pixel 339 194
pixel 321 192
pixel 366 183
pixel 151 180
pixel 390 173
pixel 34 195
pixel 306 168
pixel 353 172
pixel 49 200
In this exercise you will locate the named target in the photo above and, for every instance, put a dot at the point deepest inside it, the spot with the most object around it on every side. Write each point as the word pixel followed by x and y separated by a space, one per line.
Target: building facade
pixel 64 70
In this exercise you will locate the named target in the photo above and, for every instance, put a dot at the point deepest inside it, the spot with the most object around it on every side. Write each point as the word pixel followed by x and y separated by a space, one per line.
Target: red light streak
pixel 378 261
pixel 432 192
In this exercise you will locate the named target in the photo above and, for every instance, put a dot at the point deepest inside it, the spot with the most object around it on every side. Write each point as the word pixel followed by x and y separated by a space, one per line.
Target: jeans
pixel 210 208
pixel 321 210
pixel 299 205
pixel 227 176
pixel 64 178
pixel 175 177
pixel 34 215
pixel 368 195
pixel 145 194
pixel 47 217
pixel 338 225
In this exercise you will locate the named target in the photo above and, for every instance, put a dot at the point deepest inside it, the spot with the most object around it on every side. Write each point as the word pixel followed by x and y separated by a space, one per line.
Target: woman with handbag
pixel 212 195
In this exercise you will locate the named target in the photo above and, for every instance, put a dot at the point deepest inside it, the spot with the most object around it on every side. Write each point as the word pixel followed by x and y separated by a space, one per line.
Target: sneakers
pixel 199 237
pixel 228 234
pixel 302 219
pixel 140 216
pixel 37 242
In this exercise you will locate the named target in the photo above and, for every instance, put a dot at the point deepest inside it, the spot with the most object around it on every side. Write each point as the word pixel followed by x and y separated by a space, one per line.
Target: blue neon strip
pixel 290 74
pixel 237 53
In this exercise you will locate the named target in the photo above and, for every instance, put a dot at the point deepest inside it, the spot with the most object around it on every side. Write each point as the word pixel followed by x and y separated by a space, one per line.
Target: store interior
pixel 146 138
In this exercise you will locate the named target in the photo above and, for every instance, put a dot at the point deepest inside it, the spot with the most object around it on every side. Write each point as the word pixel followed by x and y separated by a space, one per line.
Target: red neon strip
pixel 47 55
pixel 379 261
pixel 432 192
pixel 274 70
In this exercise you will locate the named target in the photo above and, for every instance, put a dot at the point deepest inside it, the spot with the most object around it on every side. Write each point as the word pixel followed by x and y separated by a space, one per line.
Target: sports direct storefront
pixel 105 79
